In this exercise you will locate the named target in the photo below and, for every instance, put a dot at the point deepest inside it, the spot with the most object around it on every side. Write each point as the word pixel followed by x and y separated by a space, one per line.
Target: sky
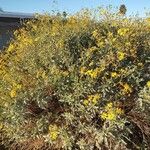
pixel 71 6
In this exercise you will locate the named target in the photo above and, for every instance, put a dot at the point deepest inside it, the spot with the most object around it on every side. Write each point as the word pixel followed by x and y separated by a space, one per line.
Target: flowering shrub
pixel 77 83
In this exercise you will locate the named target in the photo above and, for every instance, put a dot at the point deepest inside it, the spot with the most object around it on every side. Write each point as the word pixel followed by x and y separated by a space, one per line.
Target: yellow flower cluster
pixel 114 74
pixel 93 73
pixel 111 113
pixel 53 132
pixel 123 31
pixel 126 88
pixel 13 92
pixel 100 43
pixel 148 84
pixel 92 99
pixel 120 55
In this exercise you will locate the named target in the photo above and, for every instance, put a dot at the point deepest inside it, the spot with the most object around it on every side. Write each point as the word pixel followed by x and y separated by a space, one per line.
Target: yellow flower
pixel 53 131
pixel 127 88
pixel 111 113
pixel 120 55
pixel 114 74
pixel 13 93
pixel 123 31
pixel 109 105
pixel 53 135
pixel 111 116
pixel 85 102
pixel 92 99
pixel 93 73
pixel 100 43
pixel 103 115
pixel 95 98
pixel 89 72
pixel 148 84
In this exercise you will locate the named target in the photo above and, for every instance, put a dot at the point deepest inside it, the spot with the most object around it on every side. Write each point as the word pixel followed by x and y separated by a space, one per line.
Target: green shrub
pixel 76 82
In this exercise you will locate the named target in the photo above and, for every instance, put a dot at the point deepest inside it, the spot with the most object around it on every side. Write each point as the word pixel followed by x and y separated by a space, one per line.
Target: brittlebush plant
pixel 72 81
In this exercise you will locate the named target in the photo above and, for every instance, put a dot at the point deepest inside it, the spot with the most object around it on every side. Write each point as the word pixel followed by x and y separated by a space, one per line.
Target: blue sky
pixel 71 6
